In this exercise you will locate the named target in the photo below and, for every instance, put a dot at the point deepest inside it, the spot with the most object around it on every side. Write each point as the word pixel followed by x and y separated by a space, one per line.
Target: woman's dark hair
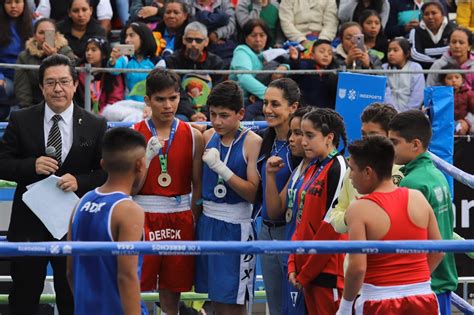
pixel 436 3
pixel 183 5
pixel 465 31
pixel 300 112
pixel 148 44
pixel 290 89
pixel 327 120
pixel 346 25
pixel 71 2
pixel 23 24
pixel 44 20
pixel 378 4
pixel 249 27
pixel 368 13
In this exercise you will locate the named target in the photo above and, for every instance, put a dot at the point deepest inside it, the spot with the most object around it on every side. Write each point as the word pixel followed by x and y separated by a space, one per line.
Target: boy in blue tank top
pixel 110 284
pixel 230 182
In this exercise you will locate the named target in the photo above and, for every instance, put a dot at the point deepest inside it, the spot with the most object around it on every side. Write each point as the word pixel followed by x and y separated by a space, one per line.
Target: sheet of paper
pixel 51 205
pixel 273 53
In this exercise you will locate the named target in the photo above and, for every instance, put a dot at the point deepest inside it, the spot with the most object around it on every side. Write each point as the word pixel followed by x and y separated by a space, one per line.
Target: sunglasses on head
pixel 190 40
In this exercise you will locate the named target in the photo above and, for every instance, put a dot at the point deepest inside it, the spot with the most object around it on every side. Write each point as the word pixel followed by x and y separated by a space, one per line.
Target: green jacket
pixel 422 175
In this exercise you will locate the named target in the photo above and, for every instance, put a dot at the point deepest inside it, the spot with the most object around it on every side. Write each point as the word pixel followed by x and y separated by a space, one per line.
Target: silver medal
pixel 164 180
pixel 220 191
pixel 288 215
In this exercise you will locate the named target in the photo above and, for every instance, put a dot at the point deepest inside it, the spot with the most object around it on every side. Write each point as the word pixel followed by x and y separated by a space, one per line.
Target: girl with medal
pixel 281 100
pixel 292 299
pixel 174 165
pixel 321 276
pixel 229 186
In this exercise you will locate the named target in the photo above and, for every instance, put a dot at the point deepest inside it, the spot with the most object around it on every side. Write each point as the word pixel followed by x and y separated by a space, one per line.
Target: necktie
pixel 54 138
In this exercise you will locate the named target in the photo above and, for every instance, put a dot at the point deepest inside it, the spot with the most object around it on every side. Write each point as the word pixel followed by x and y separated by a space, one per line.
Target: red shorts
pixel 173 273
pixel 396 300
pixel 322 301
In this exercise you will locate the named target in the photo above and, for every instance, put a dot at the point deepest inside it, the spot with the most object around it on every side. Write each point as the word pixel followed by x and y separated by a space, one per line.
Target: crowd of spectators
pixel 218 34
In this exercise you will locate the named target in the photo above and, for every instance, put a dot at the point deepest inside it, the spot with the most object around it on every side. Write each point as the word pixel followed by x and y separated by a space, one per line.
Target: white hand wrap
pixel 345 307
pixel 152 149
pixel 212 158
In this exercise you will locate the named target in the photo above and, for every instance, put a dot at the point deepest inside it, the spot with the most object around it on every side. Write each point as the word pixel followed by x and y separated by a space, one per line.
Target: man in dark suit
pixel 76 137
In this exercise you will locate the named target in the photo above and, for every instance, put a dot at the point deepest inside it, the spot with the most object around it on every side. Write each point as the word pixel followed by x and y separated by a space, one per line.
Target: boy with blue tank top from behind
pixel 229 185
pixel 110 284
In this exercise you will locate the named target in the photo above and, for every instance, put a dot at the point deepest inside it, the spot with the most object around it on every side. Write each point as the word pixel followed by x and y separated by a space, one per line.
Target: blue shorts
pixel 292 299
pixel 228 279
pixel 444 302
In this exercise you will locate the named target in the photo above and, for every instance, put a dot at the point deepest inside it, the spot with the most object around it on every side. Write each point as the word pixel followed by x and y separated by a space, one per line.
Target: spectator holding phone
pixel 141 38
pixel 37 48
pixel 351 52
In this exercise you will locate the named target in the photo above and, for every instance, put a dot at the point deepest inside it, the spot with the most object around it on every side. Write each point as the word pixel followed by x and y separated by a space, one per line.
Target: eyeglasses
pixel 62 83
pixel 190 40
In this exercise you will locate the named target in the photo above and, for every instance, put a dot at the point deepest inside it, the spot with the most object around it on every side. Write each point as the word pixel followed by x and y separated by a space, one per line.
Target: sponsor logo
pixel 352 94
pixel 342 93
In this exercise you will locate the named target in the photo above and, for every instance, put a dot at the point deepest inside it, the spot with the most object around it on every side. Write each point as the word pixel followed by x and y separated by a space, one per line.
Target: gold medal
pixel 164 180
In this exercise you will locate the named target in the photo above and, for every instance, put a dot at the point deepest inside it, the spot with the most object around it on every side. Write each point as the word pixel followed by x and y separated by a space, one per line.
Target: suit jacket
pixel 23 142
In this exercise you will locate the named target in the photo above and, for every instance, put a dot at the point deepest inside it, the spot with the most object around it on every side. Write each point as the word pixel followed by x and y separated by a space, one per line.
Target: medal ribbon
pixel 240 132
pixel 163 156
pixel 294 182
pixel 315 175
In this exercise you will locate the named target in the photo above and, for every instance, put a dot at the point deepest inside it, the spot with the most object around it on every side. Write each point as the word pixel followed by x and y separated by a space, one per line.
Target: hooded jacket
pixel 26 81
pixel 463 103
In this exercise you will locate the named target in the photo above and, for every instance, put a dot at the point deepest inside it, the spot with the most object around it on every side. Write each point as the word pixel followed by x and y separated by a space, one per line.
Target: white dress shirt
pixel 65 126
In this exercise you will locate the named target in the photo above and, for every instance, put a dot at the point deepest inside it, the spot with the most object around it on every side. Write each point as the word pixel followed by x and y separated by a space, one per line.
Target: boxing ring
pixel 224 248
pixel 254 248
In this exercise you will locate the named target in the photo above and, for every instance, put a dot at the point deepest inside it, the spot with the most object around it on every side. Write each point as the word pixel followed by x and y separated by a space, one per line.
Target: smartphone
pixel 49 36
pixel 127 50
pixel 358 40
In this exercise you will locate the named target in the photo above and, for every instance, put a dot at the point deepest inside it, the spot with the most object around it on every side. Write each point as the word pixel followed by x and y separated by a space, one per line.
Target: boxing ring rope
pixel 8 249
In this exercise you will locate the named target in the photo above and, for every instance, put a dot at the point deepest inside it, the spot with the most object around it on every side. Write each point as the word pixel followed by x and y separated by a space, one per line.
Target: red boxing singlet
pixel 397 269
pixel 180 162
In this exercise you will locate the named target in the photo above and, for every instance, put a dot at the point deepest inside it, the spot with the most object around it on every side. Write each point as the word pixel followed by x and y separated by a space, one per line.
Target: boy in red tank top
pixel 174 162
pixel 389 283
